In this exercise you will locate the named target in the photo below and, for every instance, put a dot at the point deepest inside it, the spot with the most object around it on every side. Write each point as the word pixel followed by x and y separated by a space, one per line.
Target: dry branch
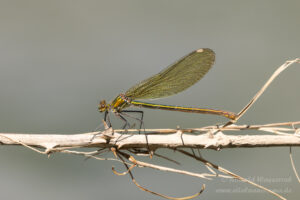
pixel 154 141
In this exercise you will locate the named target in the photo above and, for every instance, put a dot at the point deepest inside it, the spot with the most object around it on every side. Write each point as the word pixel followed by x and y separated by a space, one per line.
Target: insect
pixel 172 80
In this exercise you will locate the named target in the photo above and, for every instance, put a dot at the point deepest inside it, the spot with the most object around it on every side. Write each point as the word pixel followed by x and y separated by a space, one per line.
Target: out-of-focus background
pixel 59 58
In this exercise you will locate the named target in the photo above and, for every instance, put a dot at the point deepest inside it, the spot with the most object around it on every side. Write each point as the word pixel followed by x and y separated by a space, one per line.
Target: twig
pixel 206 162
pixel 293 165
pixel 259 93
pixel 220 140
pixel 129 141
pixel 130 158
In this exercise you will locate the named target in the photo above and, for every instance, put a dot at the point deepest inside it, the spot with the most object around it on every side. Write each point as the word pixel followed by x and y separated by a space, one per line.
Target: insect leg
pixel 138 119
pixel 141 124
pixel 107 119
pixel 123 119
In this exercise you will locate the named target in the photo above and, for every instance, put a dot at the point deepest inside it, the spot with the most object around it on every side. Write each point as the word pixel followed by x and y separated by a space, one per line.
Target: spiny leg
pixel 119 114
pixel 138 119
pixel 107 119
pixel 141 124
pixel 123 119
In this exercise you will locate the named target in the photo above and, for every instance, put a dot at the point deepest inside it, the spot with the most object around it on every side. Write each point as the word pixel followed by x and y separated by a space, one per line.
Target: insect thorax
pixel 119 103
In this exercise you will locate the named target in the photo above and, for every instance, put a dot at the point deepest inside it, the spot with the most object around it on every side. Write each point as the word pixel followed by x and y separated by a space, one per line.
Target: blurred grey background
pixel 59 58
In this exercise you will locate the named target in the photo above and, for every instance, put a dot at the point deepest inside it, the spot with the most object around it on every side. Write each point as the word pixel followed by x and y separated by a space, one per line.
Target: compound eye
pixel 102 106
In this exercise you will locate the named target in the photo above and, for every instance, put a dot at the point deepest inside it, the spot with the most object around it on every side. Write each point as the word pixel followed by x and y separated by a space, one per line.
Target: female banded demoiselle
pixel 172 80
